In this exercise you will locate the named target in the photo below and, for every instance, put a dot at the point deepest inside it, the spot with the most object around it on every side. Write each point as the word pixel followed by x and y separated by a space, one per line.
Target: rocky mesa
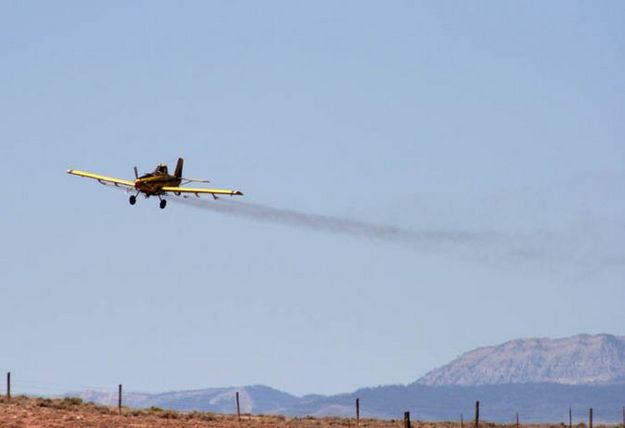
pixel 577 360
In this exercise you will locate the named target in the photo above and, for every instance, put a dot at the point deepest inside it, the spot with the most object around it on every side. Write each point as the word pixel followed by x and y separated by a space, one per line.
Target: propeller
pixel 136 172
pixel 193 180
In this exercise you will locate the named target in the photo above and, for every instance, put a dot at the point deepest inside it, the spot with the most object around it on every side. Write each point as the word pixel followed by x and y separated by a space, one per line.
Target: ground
pixel 21 412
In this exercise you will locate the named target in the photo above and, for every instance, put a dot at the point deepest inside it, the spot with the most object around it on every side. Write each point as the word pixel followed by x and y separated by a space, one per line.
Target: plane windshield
pixel 162 169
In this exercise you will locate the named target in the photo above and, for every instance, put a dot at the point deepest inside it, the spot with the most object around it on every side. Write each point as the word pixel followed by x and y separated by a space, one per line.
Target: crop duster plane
pixel 158 183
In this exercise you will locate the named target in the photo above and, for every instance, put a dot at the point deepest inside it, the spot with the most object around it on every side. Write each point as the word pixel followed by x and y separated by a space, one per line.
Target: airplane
pixel 158 183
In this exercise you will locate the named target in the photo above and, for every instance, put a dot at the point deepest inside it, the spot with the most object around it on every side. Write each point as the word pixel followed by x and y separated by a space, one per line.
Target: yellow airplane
pixel 158 183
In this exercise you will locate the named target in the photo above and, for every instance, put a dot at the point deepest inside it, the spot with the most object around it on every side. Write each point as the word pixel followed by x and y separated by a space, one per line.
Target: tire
pixel 163 203
pixel 132 199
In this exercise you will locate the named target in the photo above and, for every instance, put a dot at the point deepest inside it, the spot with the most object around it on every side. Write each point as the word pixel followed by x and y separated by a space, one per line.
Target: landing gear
pixel 132 199
pixel 163 203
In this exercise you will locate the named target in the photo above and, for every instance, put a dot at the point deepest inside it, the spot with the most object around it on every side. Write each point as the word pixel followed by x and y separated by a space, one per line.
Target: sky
pixel 488 136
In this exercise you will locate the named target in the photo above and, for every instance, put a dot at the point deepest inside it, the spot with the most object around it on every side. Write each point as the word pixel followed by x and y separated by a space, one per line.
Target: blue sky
pixel 493 118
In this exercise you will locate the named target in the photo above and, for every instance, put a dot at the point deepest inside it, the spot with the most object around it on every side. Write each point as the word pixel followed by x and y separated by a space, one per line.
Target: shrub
pixel 72 401
pixel 169 414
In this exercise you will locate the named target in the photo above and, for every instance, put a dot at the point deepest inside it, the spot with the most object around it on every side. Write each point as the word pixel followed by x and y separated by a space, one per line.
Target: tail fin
pixel 178 172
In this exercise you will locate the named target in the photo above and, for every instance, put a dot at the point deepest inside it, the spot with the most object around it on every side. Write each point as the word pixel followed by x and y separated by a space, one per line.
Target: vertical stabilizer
pixel 178 172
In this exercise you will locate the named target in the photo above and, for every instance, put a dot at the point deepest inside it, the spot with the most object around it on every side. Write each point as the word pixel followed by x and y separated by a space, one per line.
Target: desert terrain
pixel 23 411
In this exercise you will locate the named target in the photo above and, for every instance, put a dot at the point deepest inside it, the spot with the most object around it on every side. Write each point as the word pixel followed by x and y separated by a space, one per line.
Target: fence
pixel 406 419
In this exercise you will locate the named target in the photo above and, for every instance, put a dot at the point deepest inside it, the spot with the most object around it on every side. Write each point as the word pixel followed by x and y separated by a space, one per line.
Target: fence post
pixel 461 420
pixel 407 420
pixel 238 408
pixel 570 418
pixel 119 399
pixel 477 414
pixel 623 416
pixel 517 419
pixel 8 385
pixel 357 412
pixel 590 418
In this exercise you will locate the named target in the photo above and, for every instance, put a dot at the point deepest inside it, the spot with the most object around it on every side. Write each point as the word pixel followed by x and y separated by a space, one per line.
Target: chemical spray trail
pixel 424 239
pixel 594 249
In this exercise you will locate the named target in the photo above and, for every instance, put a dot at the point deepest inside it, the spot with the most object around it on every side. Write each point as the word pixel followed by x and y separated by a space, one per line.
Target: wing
pixel 179 190
pixel 103 179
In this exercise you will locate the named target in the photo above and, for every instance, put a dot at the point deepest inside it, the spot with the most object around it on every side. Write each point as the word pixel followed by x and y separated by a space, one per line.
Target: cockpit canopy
pixel 161 169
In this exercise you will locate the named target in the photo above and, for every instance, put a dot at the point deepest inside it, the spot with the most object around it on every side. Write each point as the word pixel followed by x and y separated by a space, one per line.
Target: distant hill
pixel 255 399
pixel 534 402
pixel 577 360
pixel 498 403
pixel 539 378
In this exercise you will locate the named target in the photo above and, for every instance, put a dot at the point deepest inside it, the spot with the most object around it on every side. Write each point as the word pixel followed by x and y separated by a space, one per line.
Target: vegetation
pixel 21 411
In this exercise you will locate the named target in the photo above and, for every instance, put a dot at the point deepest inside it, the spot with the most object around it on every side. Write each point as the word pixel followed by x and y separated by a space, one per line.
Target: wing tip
pixel 237 193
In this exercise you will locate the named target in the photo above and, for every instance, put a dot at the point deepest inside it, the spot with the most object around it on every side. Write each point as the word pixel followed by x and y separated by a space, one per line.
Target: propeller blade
pixel 136 173
pixel 195 180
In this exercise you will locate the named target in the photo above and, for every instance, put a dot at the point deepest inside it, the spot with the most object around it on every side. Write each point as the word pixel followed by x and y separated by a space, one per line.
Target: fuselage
pixel 153 182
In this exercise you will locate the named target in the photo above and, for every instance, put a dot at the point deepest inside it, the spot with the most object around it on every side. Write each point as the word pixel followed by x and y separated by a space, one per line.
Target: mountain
pixel 253 399
pixel 498 403
pixel 577 360
pixel 539 378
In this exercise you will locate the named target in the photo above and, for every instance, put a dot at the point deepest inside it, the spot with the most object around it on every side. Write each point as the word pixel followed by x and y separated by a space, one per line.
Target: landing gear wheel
pixel 163 203
pixel 132 199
